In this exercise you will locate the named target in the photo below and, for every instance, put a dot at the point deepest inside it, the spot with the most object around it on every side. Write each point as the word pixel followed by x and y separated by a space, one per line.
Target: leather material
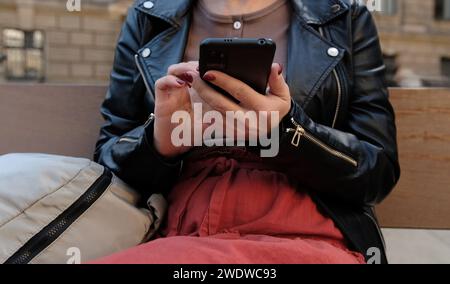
pixel 36 189
pixel 340 99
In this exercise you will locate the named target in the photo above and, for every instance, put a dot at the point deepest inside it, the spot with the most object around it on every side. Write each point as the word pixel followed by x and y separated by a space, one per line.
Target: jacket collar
pixel 313 64
pixel 315 12
pixel 319 12
pixel 172 11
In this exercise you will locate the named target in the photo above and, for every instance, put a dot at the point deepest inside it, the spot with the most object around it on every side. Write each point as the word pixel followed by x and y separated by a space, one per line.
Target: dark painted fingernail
pixel 181 82
pixel 188 78
pixel 281 68
pixel 209 77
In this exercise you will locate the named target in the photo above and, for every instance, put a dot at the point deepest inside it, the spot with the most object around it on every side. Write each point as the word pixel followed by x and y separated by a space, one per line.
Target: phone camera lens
pixel 262 41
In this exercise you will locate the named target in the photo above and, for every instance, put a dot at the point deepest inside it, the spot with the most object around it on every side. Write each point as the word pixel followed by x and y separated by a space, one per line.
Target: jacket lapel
pixel 309 63
pixel 166 49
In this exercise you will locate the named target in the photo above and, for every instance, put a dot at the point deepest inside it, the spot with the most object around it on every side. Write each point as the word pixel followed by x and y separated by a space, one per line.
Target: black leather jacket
pixel 339 140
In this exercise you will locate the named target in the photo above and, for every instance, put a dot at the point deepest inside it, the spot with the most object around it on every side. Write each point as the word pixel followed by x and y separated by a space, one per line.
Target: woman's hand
pixel 174 93
pixel 277 99
pixel 171 95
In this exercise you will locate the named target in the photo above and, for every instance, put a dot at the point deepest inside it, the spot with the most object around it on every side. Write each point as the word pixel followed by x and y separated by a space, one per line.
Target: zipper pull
pixel 299 131
pixel 149 120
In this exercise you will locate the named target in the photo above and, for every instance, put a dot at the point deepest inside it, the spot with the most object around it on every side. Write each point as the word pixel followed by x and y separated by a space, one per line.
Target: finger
pixel 277 84
pixel 181 68
pixel 236 88
pixel 169 82
pixel 214 99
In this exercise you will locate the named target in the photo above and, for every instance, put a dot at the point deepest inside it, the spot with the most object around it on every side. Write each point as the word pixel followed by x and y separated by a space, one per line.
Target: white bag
pixel 57 209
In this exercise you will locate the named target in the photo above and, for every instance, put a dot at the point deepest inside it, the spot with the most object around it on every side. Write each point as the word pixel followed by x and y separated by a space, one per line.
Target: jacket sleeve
pixel 357 163
pixel 126 145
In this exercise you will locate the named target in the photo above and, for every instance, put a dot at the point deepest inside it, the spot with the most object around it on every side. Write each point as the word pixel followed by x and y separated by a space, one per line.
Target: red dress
pixel 229 208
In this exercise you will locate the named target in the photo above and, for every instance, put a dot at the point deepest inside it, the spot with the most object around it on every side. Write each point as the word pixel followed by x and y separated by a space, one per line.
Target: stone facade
pixel 79 46
pixel 419 41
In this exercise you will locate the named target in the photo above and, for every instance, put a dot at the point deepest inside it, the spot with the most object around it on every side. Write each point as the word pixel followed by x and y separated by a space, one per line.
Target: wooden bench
pixel 62 119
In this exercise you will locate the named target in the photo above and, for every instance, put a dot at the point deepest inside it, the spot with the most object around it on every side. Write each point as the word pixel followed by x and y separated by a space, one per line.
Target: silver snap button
pixel 237 25
pixel 146 52
pixel 333 52
pixel 148 4
pixel 335 8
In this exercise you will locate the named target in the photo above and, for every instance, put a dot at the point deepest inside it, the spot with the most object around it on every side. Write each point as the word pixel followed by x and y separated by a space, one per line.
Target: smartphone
pixel 247 59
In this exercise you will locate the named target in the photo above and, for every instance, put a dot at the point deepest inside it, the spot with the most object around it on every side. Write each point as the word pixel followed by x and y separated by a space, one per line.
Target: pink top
pixel 270 22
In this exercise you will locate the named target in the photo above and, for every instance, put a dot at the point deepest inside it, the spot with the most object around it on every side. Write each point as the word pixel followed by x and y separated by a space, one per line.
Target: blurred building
pixel 415 35
pixel 40 40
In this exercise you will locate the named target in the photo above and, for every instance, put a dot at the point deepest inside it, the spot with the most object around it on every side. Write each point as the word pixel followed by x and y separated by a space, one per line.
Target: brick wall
pixel 79 45
pixel 417 38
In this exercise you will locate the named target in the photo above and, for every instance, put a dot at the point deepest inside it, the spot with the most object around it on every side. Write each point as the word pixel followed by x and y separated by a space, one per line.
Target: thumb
pixel 277 84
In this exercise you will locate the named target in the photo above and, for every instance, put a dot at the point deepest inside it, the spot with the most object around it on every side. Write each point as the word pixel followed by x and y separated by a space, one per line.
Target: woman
pixel 312 203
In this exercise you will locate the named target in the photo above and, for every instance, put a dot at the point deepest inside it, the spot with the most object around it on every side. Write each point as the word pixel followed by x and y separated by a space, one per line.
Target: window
pixel 442 9
pixel 24 52
pixel 389 7
pixel 445 66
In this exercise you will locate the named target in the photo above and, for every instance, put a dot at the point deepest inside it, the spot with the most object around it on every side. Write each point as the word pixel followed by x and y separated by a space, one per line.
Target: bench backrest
pixel 65 120
pixel 54 119
pixel 422 197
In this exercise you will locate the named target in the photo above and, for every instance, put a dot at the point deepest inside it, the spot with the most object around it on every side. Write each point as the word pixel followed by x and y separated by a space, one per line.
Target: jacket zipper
pixel 128 140
pixel 339 89
pixel 52 231
pixel 141 71
pixel 147 86
pixel 300 132
pixel 339 98
pixel 133 139
pixel 149 120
